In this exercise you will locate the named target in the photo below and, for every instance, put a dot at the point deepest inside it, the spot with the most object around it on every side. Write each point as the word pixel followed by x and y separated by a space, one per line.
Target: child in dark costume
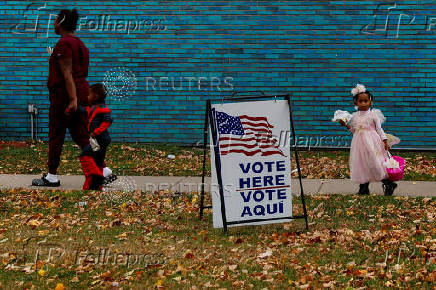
pixel 99 120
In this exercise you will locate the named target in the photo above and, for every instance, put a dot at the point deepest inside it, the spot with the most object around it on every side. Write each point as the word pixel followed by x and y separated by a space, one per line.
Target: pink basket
pixel 396 174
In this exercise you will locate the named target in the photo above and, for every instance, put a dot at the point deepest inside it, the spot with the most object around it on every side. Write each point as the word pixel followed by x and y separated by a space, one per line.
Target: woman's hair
pixel 371 97
pixel 99 91
pixel 68 19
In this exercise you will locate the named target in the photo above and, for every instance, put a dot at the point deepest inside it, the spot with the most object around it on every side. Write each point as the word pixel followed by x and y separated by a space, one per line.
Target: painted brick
pixel 315 50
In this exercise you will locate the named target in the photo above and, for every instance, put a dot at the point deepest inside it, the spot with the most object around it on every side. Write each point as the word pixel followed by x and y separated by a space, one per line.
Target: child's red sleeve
pixel 103 127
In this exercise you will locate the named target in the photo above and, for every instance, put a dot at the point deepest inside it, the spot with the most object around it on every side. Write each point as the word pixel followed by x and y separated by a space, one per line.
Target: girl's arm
pixel 379 129
pixel 380 132
pixel 349 127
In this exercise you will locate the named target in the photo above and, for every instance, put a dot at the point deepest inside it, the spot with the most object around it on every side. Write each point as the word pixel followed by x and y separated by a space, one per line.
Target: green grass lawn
pixel 353 242
pixel 142 159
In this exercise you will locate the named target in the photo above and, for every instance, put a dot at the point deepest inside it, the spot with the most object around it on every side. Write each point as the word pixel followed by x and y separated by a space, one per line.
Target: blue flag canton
pixel 228 124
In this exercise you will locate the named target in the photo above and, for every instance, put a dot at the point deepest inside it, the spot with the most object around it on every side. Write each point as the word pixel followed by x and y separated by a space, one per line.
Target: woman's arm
pixel 66 65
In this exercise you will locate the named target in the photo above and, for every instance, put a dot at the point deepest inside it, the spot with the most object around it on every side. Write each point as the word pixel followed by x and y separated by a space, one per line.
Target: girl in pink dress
pixel 369 145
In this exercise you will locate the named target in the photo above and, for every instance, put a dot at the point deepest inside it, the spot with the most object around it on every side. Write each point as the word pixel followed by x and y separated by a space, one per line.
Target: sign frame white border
pixel 210 125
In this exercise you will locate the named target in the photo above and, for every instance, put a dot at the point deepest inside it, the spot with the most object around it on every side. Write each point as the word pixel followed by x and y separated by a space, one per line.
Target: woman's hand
pixel 72 107
pixel 387 147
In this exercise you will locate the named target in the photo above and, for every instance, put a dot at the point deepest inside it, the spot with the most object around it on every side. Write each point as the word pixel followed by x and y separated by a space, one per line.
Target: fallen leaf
pixel 265 254
pixel 60 286
pixel 41 272
pixel 75 279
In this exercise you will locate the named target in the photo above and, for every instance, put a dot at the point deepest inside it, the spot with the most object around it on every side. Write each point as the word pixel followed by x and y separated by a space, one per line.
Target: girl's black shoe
pixel 364 189
pixel 388 187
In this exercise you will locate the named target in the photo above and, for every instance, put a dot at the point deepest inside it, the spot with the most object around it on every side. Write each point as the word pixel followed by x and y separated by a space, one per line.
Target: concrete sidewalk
pixel 193 184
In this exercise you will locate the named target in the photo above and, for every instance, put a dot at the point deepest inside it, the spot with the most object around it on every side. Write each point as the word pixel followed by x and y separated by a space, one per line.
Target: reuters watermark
pixel 189 83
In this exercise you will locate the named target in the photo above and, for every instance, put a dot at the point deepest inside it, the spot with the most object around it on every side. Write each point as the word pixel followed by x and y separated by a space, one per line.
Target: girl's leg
pixel 364 188
pixel 388 187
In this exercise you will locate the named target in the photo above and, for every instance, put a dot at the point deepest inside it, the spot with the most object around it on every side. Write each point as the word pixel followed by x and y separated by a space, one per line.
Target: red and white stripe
pixel 257 139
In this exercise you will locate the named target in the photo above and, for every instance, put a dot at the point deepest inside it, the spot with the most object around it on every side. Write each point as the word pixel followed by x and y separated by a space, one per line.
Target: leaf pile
pixel 353 241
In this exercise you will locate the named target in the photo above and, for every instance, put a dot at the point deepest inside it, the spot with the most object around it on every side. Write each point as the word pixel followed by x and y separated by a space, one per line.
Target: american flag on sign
pixel 247 135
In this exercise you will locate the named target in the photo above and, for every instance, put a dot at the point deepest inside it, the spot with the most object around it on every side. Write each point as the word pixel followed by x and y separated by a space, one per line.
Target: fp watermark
pixel 389 19
pixel 52 253
pixel 38 18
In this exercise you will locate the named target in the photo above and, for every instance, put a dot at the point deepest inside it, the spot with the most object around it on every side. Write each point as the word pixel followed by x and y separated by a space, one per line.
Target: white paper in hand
pixel 94 144
pixel 342 115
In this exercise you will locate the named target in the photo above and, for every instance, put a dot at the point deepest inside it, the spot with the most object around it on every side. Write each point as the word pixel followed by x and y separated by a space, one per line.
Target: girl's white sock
pixel 52 177
pixel 107 171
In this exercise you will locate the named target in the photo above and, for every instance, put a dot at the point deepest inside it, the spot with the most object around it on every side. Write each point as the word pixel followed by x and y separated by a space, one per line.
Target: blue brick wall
pixel 315 50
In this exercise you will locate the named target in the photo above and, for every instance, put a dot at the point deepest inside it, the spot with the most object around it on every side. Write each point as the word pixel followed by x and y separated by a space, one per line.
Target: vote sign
pixel 252 157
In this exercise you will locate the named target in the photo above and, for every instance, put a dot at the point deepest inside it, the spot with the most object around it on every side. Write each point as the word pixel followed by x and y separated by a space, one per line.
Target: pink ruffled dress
pixel 367 152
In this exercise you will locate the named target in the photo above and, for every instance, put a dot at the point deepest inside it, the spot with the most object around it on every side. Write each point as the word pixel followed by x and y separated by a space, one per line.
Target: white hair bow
pixel 358 89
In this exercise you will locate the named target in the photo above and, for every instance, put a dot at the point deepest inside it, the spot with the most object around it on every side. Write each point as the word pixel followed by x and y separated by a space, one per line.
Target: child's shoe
pixel 388 187
pixel 96 182
pixel 109 179
pixel 364 189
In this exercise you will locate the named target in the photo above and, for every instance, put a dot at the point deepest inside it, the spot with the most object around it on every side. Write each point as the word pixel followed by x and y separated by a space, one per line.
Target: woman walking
pixel 68 88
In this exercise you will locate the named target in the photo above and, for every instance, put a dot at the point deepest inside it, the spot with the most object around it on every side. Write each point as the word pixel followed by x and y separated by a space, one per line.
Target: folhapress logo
pixel 38 18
